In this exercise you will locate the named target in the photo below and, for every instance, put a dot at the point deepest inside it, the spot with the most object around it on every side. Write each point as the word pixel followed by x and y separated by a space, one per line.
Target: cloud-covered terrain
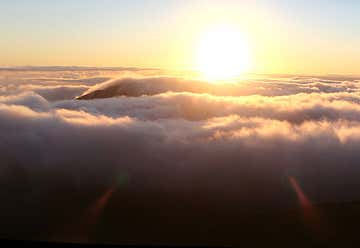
pixel 231 144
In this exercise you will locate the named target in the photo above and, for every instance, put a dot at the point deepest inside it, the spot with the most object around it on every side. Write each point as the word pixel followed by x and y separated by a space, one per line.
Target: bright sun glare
pixel 223 53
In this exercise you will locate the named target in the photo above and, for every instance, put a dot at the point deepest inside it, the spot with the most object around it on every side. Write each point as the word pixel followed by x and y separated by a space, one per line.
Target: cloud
pixel 60 92
pixel 40 136
pixel 229 156
pixel 239 149
pixel 294 108
pixel 156 85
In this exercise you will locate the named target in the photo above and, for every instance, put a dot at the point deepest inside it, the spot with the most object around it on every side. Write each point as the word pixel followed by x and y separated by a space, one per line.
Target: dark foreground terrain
pixel 113 216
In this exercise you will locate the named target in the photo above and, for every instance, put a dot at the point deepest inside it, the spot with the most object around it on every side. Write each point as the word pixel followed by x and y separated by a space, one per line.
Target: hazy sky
pixel 285 36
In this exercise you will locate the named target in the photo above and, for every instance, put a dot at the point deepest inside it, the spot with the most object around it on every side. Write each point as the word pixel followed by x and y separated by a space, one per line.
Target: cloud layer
pixel 240 149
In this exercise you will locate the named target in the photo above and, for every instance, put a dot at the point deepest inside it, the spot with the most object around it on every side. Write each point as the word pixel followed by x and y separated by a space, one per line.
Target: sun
pixel 223 53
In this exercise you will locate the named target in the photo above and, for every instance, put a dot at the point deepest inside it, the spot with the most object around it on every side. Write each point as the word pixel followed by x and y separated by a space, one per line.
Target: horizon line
pixel 138 68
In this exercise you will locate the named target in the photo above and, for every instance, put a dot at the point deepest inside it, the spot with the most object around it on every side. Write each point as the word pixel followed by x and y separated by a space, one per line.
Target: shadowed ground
pixel 153 217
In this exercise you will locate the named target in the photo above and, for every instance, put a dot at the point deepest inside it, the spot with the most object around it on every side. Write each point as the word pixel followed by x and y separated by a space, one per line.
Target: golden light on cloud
pixel 223 53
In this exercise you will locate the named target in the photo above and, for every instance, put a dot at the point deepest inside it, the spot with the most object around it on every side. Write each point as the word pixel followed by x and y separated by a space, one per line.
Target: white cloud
pixel 240 148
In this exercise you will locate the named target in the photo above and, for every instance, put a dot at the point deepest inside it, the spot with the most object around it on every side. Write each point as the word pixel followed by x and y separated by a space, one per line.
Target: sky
pixel 152 140
pixel 284 36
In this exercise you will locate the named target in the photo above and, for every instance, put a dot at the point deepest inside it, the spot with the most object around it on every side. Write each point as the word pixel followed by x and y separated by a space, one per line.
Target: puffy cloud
pixel 267 87
pixel 294 108
pixel 76 140
pixel 238 148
